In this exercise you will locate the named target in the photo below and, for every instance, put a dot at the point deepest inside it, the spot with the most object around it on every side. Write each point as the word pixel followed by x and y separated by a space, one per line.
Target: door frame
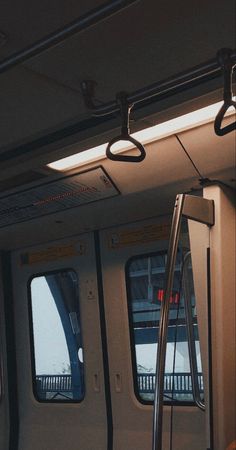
pixel 9 401
pixel 91 412
pixel 133 419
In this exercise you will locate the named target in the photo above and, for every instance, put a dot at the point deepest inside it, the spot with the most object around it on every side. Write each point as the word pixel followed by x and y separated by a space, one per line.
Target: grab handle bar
pixel 200 210
pixel 163 329
pixel 225 60
pixel 190 334
pixel 125 109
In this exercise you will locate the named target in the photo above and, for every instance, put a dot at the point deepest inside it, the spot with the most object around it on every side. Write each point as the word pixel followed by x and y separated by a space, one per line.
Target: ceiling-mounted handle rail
pixel 227 65
pixel 201 210
pixel 164 88
pixel 190 333
pixel 125 109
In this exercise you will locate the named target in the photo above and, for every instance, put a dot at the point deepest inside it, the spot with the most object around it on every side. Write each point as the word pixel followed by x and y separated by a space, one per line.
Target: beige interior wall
pixel 222 237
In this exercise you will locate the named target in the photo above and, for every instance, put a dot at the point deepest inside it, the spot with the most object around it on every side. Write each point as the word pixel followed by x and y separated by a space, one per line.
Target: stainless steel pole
pixel 163 329
pixel 201 210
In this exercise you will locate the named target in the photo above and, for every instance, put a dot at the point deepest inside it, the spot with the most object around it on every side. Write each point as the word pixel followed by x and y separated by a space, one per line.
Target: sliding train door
pixel 60 374
pixel 133 261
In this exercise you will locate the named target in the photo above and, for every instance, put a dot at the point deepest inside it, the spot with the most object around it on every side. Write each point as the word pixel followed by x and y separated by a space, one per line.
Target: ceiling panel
pixel 26 21
pixel 147 189
pixel 212 154
pixel 30 102
pixel 99 215
pixel 165 163
pixel 145 43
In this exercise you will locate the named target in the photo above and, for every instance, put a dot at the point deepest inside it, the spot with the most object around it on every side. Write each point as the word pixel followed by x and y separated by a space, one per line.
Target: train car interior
pixel 117 225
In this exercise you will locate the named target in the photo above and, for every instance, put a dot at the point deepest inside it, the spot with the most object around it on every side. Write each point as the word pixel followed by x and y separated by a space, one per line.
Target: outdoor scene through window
pixel 57 340
pixel 145 285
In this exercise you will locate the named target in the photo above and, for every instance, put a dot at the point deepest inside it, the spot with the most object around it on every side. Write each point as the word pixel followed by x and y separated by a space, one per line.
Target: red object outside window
pixel 174 298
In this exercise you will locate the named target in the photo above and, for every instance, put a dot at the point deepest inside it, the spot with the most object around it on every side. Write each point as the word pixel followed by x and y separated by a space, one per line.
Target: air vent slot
pixel 55 196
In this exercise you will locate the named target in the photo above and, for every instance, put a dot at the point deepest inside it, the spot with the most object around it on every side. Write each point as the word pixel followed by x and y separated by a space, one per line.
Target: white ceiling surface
pixel 214 156
pixel 164 164
pixel 147 42
pixel 147 189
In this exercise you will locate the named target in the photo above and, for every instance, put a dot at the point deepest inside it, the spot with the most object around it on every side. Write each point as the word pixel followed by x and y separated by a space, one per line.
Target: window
pixel 56 335
pixel 145 286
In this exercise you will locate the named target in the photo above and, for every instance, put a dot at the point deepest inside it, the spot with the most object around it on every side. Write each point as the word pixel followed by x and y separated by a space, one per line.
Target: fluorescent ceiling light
pixel 147 135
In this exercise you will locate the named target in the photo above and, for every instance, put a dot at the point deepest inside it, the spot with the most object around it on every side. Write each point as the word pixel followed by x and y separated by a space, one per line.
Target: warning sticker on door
pixel 142 235
pixel 52 253
pixel 58 195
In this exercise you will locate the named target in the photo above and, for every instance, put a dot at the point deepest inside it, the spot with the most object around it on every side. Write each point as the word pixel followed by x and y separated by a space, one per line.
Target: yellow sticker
pixel 142 235
pixel 52 254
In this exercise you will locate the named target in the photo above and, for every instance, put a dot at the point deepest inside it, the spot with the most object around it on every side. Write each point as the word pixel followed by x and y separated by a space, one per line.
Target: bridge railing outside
pixel 178 383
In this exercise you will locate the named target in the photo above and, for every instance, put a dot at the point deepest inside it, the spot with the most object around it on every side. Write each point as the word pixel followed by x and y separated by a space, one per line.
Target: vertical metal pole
pixel 163 330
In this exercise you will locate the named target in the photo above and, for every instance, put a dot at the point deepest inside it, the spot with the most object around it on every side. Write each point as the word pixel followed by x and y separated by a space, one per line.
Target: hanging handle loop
pixel 125 109
pixel 225 60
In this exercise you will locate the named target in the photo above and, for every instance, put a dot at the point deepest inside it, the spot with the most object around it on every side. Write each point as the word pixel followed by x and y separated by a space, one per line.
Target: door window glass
pixel 56 334
pixel 145 287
